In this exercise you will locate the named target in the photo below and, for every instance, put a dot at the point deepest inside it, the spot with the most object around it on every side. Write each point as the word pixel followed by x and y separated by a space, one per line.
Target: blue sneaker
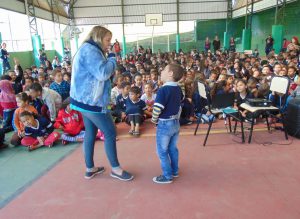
pixel 90 175
pixel 162 180
pixel 175 175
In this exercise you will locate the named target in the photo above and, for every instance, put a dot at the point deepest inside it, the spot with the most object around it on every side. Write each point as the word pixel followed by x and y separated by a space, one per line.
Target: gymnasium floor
pixel 225 179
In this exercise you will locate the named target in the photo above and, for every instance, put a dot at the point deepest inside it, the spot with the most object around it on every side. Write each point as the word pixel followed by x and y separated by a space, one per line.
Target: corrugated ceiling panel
pixel 98 21
pixel 12 6
pixel 129 2
pixel 204 1
pixel 84 3
pixel 202 7
pixel 142 10
pixel 203 16
pixel 261 5
pixel 98 11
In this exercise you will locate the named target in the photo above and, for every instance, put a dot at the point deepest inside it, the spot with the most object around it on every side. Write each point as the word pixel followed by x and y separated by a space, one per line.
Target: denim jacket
pixel 90 83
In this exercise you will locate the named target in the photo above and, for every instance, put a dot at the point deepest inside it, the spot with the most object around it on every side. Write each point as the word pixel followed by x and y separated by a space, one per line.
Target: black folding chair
pixel 215 106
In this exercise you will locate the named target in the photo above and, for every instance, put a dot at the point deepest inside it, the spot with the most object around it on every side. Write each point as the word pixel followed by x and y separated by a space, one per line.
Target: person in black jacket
pixel 216 44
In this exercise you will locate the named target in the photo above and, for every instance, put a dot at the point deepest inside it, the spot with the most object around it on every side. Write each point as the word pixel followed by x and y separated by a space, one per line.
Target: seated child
pixel 59 85
pixel 154 80
pixel 116 91
pixel 8 104
pixel 138 83
pixel 50 97
pixel 38 131
pixel 241 95
pixel 135 108
pixel 71 122
pixel 119 111
pixel 23 105
pixel 149 97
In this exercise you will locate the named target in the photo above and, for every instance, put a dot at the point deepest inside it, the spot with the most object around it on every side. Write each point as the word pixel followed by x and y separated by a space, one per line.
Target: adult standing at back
pixel 269 44
pixel 4 58
pixel 216 44
pixel 90 94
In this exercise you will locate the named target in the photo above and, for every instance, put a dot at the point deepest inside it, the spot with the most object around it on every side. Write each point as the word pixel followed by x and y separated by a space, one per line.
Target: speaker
pixel 292 119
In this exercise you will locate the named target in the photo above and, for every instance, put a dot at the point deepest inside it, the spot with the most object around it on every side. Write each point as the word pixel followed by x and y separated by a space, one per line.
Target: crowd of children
pixel 35 101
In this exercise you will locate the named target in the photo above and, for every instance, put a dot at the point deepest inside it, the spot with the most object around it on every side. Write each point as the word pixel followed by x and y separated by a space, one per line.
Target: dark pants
pixel 104 122
pixel 117 114
pixel 136 119
pixel 5 67
pixel 2 136
pixel 7 120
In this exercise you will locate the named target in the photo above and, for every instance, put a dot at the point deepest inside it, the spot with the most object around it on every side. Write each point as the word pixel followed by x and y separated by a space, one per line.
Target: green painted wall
pixel 261 27
pixel 26 58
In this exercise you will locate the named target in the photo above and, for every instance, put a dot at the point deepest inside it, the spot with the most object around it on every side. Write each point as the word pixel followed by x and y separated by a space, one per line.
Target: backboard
pixel 153 20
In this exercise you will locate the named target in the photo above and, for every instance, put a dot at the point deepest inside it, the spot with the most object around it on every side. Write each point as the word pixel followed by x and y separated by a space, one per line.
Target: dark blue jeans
pixel 8 120
pixel 104 122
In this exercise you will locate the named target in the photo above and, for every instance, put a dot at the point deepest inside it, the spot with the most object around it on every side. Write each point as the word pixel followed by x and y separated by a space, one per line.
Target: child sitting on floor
pixel 71 122
pixel 149 97
pixel 23 104
pixel 135 109
pixel 50 97
pixel 59 85
pixel 38 131
pixel 119 111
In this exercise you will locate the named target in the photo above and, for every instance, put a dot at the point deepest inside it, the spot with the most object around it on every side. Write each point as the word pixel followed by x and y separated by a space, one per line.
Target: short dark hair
pixel 30 78
pixel 135 90
pixel 23 96
pixel 125 84
pixel 25 113
pixel 36 87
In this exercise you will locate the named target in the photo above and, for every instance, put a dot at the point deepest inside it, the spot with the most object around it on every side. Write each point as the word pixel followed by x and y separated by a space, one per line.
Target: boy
pixel 119 111
pixel 166 114
pixel 50 97
pixel 135 108
pixel 59 85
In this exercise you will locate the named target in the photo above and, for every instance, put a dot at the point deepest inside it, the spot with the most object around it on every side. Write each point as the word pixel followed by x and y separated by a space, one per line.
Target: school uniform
pixel 166 113
pixel 135 110
pixel 44 129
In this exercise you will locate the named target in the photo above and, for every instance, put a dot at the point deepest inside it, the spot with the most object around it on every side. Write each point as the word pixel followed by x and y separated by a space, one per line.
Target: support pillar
pixel 246 39
pixel 74 45
pixel 36 45
pixel 177 42
pixel 277 34
pixel 124 48
pixel 226 40
pixel 60 48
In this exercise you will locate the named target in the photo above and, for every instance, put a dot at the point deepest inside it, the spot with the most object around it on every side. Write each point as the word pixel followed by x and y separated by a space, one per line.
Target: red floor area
pixel 223 180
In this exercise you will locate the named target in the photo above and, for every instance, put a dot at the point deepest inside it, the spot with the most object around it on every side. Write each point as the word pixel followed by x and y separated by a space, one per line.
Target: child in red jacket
pixel 71 122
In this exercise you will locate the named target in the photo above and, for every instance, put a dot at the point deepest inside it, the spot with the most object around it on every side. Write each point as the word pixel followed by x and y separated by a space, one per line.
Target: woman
pixel 90 94
pixel 4 55
pixel 207 45
pixel 232 45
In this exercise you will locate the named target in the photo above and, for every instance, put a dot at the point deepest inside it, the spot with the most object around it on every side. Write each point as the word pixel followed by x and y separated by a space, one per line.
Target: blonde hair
pixel 97 34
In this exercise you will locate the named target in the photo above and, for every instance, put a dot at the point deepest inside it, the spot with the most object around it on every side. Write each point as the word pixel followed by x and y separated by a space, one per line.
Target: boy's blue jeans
pixel 104 122
pixel 167 133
